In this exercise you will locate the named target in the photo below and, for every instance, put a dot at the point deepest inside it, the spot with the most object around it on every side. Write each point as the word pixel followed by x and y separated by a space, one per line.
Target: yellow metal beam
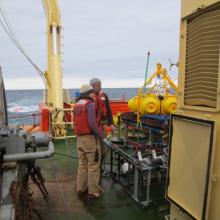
pixel 52 11
pixel 53 74
pixel 170 81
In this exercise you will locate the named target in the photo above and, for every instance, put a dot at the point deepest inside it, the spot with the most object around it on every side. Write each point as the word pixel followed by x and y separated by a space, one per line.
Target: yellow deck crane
pixel 53 74
pixel 52 77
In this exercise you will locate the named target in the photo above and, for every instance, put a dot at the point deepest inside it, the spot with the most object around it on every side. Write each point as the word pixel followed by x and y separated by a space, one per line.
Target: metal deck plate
pixel 60 173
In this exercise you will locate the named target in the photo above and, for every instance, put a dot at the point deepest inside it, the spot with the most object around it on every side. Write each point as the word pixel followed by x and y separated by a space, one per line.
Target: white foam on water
pixel 13 107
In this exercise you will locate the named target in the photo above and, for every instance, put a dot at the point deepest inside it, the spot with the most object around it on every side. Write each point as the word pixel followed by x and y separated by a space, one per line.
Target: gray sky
pixel 105 39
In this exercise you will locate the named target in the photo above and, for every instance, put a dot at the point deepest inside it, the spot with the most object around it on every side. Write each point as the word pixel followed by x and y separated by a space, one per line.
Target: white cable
pixel 15 40
pixel 12 36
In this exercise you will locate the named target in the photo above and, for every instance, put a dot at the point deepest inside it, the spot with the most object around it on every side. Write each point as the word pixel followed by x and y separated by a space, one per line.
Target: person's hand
pixel 107 142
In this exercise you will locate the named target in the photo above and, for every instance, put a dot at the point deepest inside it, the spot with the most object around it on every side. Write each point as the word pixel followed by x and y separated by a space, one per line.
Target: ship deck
pixel 60 175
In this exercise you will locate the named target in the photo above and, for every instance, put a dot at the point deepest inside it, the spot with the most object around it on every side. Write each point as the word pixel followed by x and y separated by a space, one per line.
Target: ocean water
pixel 22 105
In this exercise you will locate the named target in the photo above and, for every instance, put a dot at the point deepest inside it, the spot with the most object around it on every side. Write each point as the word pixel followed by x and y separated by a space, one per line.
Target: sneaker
pixel 93 195
pixel 96 195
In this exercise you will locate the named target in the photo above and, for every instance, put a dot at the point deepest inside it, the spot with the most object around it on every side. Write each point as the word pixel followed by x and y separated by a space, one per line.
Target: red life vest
pixel 80 118
pixel 100 100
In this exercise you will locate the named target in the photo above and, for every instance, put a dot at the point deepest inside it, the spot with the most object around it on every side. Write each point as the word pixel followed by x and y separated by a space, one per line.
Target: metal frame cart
pixel 140 166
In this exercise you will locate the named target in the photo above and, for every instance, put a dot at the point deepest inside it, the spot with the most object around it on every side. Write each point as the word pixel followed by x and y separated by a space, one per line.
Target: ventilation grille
pixel 202 59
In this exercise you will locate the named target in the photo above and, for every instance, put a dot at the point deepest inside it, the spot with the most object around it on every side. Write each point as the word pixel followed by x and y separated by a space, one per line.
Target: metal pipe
pixel 54 33
pixel 145 79
pixel 32 155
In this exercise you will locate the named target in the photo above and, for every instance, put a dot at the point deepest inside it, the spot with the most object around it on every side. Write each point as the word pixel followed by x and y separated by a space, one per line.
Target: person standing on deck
pixel 103 105
pixel 89 135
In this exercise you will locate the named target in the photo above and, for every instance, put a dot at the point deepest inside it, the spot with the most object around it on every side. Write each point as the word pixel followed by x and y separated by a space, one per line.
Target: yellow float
pixel 150 104
pixel 158 99
pixel 168 105
pixel 132 104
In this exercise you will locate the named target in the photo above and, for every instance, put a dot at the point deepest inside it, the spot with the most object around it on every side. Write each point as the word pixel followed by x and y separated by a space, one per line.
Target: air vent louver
pixel 202 59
